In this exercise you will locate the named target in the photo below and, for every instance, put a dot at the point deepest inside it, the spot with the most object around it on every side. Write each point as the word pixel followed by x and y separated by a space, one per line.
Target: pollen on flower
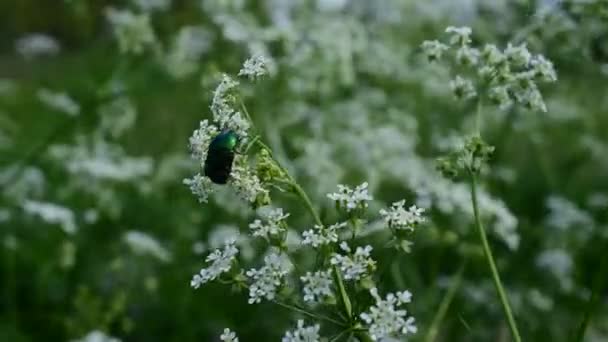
pixel 303 333
pixel 386 318
pixel 221 262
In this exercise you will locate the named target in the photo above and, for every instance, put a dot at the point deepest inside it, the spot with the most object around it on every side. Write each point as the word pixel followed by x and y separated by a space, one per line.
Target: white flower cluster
pixel 133 31
pixel 229 336
pixel 189 44
pixel 97 336
pixel 303 333
pixel 255 67
pixel 37 44
pixel 221 262
pixel 273 226
pixel 386 319
pixel 144 244
pixel 245 181
pixel 52 213
pixel 267 279
pixel 400 218
pixel 152 5
pixel 222 108
pixel 351 199
pixel 511 75
pixel 59 101
pixel 354 266
pixel 317 286
pixel 320 235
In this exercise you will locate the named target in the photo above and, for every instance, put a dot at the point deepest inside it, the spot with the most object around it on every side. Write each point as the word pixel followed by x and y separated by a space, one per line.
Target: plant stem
pixel 445 304
pixel 308 313
pixel 598 284
pixel 494 270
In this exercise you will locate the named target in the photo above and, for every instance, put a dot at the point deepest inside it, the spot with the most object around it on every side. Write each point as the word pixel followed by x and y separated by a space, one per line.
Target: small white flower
pixel 59 101
pixel 200 186
pixel 303 333
pixel 317 286
pixel 267 280
pixel 221 262
pixel 320 235
pixel 519 56
pixel 245 181
pixel 460 35
pixel 53 214
pixel 466 55
pixel 463 88
pixel 398 217
pixel 433 49
pixel 189 44
pixel 200 140
pixel 145 244
pixel 543 69
pixel 356 266
pixel 36 45
pixel 221 107
pixel 255 67
pixel 386 319
pixel 491 55
pixel 351 199
pixel 97 336
pixel 273 225
pixel 133 31
pixel 500 95
pixel 229 336
pixel 152 5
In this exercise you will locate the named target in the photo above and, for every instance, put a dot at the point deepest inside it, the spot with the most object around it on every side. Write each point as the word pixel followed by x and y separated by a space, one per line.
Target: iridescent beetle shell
pixel 220 156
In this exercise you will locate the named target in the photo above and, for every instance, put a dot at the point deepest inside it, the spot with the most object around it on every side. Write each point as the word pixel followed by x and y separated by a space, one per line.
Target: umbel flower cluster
pixel 336 293
pixel 506 77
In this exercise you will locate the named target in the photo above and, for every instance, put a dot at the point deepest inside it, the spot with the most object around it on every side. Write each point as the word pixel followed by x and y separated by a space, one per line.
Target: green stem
pixel 308 313
pixel 598 284
pixel 431 334
pixel 494 270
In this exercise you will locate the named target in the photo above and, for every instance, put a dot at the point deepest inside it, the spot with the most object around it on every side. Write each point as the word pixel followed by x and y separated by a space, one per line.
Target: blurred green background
pixel 350 99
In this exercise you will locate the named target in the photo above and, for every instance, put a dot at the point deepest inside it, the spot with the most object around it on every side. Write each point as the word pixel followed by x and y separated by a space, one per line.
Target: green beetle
pixel 220 156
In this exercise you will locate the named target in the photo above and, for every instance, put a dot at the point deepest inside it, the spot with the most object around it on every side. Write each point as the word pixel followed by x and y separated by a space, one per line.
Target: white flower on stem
pixel 229 336
pixel 200 186
pixel 462 88
pixel 266 280
pixel 491 55
pixel 36 45
pixel 187 48
pixel 354 266
pixel 351 199
pixel 223 113
pixel 400 218
pixel 200 140
pixel 386 318
pixel 133 31
pixel 317 286
pixel 543 69
pixel 433 49
pixel 59 101
pixel 145 244
pixel 500 96
pixel 221 262
pixel 273 225
pixel 460 35
pixel 152 5
pixel 519 56
pixel 255 67
pixel 303 333
pixel 245 181
pixel 53 214
pixel 467 56
pixel 320 235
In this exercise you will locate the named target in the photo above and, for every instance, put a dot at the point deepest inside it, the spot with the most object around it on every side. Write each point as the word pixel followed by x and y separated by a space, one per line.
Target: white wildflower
pixel 200 140
pixel 221 262
pixel 152 5
pixel 246 182
pixel 145 244
pixel 500 96
pixel 543 69
pixel 303 333
pixel 36 45
pixel 354 266
pixel 273 226
pixel 462 88
pixel 190 43
pixel 351 199
pixel 221 107
pixel 433 49
pixel 317 286
pixel 255 67
pixel 200 186
pixel 52 213
pixel 97 336
pixel 519 56
pixel 59 101
pixel 460 35
pixel 491 55
pixel 320 235
pixel 133 31
pixel 117 116
pixel 467 56
pixel 386 319
pixel 560 264
pixel 266 280
pixel 229 336
pixel 400 218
